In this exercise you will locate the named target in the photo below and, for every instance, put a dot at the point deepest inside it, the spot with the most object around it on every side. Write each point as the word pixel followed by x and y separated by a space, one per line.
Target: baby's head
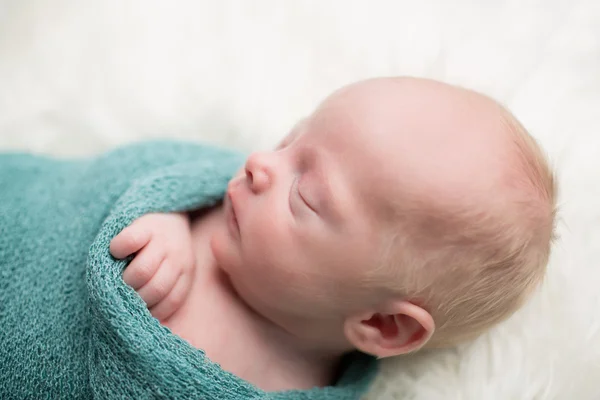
pixel 402 212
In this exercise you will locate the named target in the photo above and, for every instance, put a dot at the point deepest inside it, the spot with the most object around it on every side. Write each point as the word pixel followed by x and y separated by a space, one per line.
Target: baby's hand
pixel 163 267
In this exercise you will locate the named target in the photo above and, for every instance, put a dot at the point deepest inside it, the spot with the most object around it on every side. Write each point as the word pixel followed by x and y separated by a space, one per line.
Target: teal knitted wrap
pixel 69 326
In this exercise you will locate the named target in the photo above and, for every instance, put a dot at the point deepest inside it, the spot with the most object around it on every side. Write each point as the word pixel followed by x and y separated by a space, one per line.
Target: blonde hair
pixel 470 267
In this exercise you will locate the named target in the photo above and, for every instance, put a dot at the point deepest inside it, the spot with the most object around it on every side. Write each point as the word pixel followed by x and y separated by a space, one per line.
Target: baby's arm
pixel 164 264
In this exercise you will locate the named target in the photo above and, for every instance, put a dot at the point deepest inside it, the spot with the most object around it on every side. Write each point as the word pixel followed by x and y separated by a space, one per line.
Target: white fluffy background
pixel 78 77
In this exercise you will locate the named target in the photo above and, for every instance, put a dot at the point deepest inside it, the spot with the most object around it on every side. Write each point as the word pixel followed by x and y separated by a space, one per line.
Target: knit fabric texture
pixel 69 326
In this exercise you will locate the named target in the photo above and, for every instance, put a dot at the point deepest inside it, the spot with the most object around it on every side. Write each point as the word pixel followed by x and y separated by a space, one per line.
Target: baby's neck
pixel 215 319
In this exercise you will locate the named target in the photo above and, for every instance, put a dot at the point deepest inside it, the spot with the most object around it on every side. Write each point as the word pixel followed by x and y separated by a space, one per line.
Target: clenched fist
pixel 162 269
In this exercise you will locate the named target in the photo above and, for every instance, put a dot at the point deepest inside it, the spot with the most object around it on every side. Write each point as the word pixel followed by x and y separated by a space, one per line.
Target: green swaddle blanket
pixel 69 326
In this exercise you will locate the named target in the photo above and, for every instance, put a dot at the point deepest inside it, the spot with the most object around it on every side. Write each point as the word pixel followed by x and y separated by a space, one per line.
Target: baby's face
pixel 304 231
pixel 310 216
pixel 302 234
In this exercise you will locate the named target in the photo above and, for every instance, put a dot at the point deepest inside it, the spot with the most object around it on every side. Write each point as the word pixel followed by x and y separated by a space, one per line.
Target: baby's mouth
pixel 232 221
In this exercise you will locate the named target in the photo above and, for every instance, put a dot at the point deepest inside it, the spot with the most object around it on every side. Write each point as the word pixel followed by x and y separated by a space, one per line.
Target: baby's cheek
pixel 272 278
pixel 275 260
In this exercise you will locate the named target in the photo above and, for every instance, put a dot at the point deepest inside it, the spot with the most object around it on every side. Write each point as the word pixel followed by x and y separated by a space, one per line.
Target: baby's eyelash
pixel 294 191
pixel 297 190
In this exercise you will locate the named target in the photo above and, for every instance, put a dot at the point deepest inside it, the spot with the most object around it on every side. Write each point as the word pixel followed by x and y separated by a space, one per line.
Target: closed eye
pixel 299 194
pixel 296 193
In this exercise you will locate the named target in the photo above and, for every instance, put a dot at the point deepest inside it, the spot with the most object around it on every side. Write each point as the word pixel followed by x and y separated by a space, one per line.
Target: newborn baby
pixel 402 213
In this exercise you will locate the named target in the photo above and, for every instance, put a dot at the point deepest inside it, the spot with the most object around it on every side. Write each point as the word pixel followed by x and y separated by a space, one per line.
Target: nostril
pixel 249 176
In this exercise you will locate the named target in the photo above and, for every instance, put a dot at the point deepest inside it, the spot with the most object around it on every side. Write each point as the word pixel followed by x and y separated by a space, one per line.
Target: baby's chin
pixel 221 264
pixel 219 244
pixel 224 249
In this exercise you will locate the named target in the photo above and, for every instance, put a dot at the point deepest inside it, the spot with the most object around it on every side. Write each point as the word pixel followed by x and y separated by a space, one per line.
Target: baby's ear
pixel 399 328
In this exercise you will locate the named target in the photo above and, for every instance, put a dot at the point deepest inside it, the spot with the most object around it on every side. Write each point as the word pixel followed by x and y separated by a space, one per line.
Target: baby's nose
pixel 258 172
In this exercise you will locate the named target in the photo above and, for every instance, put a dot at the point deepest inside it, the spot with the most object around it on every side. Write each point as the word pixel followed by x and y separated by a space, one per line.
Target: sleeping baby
pixel 402 214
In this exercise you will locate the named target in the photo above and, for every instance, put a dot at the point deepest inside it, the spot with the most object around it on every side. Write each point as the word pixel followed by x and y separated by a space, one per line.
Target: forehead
pixel 356 155
pixel 395 141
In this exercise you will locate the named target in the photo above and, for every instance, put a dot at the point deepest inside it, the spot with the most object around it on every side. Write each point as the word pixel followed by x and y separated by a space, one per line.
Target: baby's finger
pixel 144 266
pixel 167 306
pixel 160 285
pixel 130 240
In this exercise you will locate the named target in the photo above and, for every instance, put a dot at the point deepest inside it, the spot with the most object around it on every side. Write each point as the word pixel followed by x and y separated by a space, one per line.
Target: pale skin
pixel 280 283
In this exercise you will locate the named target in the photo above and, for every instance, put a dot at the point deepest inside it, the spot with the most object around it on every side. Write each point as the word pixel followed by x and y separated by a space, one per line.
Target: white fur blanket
pixel 77 77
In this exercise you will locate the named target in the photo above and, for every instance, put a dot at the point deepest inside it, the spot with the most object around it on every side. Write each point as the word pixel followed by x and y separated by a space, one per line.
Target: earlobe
pixel 398 328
